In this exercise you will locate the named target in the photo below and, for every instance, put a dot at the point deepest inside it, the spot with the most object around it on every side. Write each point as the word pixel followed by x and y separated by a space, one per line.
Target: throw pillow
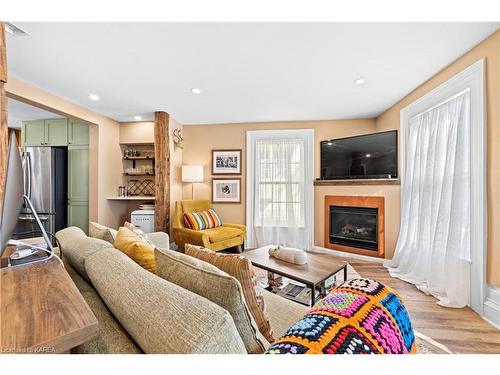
pixel 241 269
pixel 138 231
pixel 208 281
pixel 202 220
pixel 102 232
pixel 132 245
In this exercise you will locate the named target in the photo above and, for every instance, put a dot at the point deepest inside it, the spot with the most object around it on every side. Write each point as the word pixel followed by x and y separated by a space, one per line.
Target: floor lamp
pixel 192 173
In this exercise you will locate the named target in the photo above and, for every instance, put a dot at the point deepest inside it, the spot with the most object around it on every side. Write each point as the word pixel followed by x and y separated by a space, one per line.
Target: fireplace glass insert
pixel 354 227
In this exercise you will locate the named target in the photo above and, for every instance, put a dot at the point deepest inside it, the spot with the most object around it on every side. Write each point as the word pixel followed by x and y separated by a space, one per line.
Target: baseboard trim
pixel 491 309
pixel 365 258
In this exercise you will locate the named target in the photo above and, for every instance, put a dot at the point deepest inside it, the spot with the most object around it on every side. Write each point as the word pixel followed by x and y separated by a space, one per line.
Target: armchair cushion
pixel 222 233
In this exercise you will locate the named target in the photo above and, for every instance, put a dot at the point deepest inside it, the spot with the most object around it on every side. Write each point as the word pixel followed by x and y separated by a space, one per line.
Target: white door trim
pixel 471 78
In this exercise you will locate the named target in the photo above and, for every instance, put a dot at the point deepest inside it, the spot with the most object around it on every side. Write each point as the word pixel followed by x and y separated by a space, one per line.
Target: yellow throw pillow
pixel 132 245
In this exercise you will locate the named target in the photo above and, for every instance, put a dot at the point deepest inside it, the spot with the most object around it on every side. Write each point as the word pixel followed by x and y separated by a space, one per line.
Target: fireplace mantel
pixel 359 202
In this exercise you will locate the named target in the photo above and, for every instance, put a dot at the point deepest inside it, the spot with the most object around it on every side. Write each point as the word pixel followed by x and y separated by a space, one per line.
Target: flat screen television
pixel 360 157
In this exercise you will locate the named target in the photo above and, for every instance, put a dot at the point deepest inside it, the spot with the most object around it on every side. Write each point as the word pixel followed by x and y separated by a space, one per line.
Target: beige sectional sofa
pixel 139 312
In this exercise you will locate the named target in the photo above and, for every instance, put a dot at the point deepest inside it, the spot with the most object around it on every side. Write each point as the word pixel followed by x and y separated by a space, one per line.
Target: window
pixel 279 179
pixel 279 195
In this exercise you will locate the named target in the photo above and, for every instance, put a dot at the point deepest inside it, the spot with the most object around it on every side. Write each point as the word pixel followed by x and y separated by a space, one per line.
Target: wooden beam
pixel 4 133
pixel 162 172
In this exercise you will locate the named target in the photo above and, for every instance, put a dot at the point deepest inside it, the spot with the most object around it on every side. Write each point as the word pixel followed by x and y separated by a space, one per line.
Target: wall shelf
pixel 371 181
pixel 132 198
pixel 139 174
pixel 138 158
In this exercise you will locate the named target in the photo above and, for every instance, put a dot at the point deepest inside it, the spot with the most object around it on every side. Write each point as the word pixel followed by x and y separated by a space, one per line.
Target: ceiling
pixel 19 112
pixel 248 72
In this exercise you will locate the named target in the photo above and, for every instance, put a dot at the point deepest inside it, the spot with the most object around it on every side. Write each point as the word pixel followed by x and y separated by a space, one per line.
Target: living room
pixel 293 187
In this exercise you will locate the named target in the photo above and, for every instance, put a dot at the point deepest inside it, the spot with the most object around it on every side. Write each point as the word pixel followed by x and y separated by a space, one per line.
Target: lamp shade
pixel 192 173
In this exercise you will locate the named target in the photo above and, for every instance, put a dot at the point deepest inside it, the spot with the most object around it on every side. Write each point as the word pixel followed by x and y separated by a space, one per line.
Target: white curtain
pixel 279 204
pixel 433 249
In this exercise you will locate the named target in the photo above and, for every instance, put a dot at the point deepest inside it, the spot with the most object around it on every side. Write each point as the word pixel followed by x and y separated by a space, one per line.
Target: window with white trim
pixel 279 183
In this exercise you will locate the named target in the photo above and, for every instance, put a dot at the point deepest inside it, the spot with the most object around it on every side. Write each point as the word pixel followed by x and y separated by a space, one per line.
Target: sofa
pixel 140 312
pixel 216 239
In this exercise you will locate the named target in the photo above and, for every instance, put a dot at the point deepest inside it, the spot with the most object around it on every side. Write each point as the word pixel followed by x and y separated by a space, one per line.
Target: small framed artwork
pixel 226 190
pixel 226 161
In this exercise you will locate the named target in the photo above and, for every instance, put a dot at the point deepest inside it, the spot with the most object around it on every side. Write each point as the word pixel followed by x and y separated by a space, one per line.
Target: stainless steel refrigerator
pixel 45 184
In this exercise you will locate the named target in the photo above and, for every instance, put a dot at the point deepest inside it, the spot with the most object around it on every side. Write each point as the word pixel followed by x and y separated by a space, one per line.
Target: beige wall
pixel 106 155
pixel 201 139
pixel 489 49
pixel 137 132
pixel 176 157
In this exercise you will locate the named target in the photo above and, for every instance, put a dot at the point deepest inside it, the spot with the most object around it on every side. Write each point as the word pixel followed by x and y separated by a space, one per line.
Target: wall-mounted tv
pixel 360 157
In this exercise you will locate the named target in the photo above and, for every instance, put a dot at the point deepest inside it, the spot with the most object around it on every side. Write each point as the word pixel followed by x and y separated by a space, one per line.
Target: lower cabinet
pixel 78 215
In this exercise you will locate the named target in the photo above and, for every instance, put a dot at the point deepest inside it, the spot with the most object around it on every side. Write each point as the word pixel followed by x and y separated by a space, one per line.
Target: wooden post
pixel 4 133
pixel 162 172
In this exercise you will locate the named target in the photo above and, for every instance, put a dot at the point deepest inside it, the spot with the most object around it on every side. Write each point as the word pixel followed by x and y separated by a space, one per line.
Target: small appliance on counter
pixel 144 219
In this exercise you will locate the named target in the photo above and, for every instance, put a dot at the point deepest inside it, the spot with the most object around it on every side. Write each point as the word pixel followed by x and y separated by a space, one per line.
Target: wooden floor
pixel 461 330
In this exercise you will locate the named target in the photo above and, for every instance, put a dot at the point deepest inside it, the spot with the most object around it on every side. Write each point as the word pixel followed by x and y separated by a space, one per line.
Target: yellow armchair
pixel 216 239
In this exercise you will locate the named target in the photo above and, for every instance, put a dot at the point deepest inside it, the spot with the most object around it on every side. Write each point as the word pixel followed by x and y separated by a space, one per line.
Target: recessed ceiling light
pixel 94 97
pixel 137 118
pixel 195 90
pixel 359 81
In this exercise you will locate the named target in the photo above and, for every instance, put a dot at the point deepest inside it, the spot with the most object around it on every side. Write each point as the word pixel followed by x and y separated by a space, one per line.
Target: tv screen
pixel 360 157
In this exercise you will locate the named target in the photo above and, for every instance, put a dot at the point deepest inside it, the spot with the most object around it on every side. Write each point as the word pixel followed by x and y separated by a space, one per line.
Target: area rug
pixel 425 345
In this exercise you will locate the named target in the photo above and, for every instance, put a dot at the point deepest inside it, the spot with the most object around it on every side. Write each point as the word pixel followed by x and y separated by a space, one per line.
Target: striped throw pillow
pixel 202 220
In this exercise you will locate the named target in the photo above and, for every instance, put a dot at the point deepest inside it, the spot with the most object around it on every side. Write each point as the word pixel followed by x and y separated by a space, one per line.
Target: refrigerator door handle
pixel 29 175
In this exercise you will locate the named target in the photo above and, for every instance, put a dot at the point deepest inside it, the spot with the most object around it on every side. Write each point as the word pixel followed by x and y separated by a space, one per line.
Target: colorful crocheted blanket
pixel 361 316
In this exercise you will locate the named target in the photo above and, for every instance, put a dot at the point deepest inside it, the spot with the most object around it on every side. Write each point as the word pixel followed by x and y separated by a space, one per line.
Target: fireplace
pixel 355 224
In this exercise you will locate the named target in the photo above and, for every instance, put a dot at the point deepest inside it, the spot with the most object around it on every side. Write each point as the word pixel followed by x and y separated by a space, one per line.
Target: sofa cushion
pixel 76 247
pixel 222 233
pixel 210 282
pixel 112 338
pixel 159 239
pixel 135 247
pixel 240 268
pixel 282 312
pixel 160 316
pixel 102 232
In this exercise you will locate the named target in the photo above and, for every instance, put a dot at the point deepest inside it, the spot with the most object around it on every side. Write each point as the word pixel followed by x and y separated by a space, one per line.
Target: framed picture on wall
pixel 226 190
pixel 226 161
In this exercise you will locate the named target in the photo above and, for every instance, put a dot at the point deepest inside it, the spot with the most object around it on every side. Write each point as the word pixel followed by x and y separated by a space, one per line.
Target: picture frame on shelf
pixel 226 162
pixel 226 190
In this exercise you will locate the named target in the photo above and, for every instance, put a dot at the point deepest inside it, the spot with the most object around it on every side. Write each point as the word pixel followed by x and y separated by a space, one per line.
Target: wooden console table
pixel 42 311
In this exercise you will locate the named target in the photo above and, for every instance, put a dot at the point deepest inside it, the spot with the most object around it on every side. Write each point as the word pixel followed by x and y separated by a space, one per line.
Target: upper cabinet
pixel 78 133
pixel 33 133
pixel 55 132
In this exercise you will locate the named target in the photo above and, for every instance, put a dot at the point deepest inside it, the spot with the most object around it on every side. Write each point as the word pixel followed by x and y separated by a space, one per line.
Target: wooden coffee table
pixel 318 269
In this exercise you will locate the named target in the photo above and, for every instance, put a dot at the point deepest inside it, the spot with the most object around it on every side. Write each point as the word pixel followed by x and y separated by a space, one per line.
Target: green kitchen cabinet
pixel 56 132
pixel 33 133
pixel 78 133
pixel 52 132
pixel 78 215
pixel 78 173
